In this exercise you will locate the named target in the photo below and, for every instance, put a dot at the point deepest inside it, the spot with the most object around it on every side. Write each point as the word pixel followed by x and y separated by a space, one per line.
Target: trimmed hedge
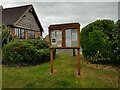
pixel 38 44
pixel 100 42
pixel 26 52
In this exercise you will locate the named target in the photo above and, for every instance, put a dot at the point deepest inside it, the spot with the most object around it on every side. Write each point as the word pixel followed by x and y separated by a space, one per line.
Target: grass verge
pixel 64 76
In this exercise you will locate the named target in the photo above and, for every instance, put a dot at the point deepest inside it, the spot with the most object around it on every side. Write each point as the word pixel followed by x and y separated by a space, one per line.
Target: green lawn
pixel 64 76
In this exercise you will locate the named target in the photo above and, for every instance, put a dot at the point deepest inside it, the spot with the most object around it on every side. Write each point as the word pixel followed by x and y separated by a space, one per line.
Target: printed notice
pixel 74 36
pixel 59 35
pixel 59 38
pixel 68 32
pixel 53 41
pixel 59 43
pixel 68 42
pixel 52 34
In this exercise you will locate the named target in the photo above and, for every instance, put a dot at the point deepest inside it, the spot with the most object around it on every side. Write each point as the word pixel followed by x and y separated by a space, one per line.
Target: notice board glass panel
pixel 74 37
pixel 71 39
pixel 68 38
pixel 56 38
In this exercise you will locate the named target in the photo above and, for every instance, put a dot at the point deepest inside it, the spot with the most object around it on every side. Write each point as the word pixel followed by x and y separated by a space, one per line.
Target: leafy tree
pixel 6 35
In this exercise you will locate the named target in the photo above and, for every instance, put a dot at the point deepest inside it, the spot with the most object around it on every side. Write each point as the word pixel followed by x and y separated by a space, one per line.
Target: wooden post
pixel 78 52
pixel 74 52
pixel 51 59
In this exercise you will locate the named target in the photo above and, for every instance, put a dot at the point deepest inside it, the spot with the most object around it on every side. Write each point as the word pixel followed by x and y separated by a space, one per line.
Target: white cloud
pixel 62 12
pixel 59 0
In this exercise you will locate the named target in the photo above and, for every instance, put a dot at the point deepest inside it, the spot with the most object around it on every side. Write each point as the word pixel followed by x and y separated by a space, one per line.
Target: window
pixel 20 33
pixel 31 34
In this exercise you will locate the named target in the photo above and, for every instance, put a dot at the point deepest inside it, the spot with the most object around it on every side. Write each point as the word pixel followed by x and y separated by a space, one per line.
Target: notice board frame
pixel 62 28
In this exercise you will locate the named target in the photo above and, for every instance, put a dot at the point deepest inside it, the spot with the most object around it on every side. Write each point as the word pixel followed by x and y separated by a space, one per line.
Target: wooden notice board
pixel 64 36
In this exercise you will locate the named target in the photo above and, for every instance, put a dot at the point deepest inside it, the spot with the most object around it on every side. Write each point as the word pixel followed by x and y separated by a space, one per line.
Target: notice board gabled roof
pixel 63 25
pixel 12 15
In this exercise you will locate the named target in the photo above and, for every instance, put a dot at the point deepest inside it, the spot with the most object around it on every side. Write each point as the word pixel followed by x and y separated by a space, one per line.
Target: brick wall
pixel 37 35
pixel 47 38
pixel 26 34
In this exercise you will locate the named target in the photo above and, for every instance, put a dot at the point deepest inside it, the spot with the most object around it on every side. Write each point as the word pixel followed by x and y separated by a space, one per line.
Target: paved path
pixel 64 51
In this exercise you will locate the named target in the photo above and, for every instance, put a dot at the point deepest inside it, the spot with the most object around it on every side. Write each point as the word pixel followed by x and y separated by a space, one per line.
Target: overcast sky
pixel 65 12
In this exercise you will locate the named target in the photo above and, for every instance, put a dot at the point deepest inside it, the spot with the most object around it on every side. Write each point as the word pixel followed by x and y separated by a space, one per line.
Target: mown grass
pixel 64 76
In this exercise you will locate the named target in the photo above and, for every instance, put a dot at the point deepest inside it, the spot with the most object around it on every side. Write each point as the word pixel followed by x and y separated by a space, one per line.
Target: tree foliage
pixel 6 35
pixel 116 42
pixel 96 40
pixel 26 52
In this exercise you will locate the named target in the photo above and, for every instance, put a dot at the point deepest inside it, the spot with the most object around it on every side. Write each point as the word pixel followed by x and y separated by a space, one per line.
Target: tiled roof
pixel 11 15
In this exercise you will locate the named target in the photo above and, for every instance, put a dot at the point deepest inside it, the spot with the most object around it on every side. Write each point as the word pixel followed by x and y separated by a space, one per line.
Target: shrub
pixel 97 37
pixel 38 44
pixel 116 43
pixel 98 58
pixel 25 52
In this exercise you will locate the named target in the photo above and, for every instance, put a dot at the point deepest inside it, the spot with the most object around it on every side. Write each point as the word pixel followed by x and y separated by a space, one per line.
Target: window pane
pixel 17 32
pixel 74 37
pixel 71 38
pixel 59 38
pixel 56 38
pixel 68 41
pixel 22 33
pixel 31 34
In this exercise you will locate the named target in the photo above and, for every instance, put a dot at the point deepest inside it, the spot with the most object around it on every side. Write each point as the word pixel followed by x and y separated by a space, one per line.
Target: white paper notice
pixel 59 38
pixel 74 36
pixel 52 34
pixel 53 41
pixel 68 32
pixel 68 42
pixel 59 43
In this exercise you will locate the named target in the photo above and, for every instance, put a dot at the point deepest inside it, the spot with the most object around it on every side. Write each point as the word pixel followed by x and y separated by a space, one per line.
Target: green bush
pixel 98 58
pixel 116 43
pixel 26 52
pixel 97 37
pixel 38 44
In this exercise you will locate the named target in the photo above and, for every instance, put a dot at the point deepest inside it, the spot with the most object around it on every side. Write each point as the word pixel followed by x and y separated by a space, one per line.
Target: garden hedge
pixel 26 52
pixel 97 41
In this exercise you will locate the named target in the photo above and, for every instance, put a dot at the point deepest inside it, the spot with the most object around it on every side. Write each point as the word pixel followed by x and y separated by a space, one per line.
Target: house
pixel 47 38
pixel 23 22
